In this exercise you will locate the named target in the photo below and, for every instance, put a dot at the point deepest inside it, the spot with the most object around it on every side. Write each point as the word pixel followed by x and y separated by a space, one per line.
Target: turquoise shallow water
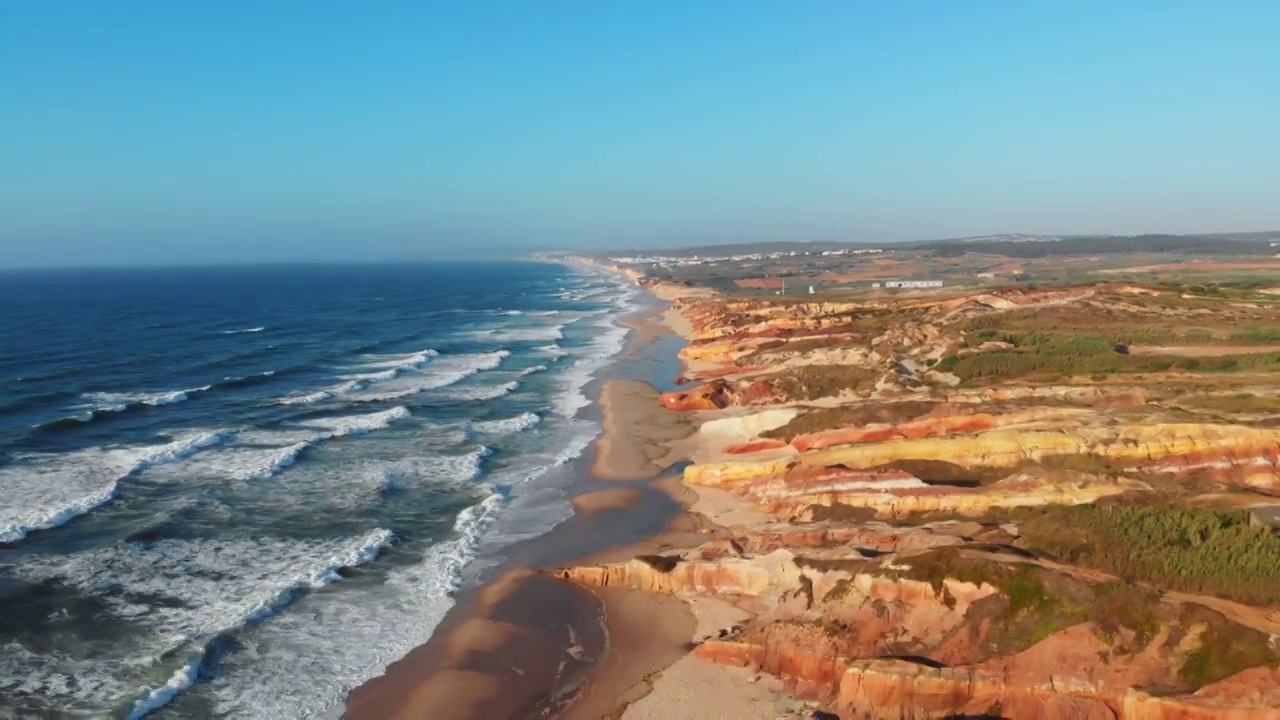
pixel 241 492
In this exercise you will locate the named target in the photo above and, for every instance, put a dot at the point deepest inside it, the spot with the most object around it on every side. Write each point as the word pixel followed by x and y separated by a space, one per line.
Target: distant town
pixel 676 261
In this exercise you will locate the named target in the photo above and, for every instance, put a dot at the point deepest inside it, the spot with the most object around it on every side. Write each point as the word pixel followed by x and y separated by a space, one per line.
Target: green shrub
pixel 1052 355
pixel 1224 651
pixel 1180 549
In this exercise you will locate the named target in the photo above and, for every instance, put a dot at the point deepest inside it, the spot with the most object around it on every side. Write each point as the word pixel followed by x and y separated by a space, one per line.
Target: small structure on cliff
pixel 909 284
pixel 1265 516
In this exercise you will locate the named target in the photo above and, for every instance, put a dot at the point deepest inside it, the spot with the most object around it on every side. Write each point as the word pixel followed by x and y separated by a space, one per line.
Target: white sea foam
pixel 118 402
pixel 242 378
pixel 246 330
pixel 505 426
pixel 260 454
pixel 304 664
pixel 532 370
pixel 355 424
pixel 208 587
pixel 536 505
pixel 480 393
pixel 554 350
pixel 430 469
pixel 523 334
pixel 511 313
pixel 443 372
pixel 305 398
pixel 398 362
pixel 609 342
pixel 250 463
pixel 43 491
pixel 370 376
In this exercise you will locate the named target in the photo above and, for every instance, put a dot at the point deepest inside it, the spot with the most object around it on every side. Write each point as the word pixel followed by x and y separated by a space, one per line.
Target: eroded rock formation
pixel 891 577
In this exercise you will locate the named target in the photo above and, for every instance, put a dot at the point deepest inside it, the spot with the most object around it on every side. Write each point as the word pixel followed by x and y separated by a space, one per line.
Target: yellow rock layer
pixel 887 504
pixel 741 576
pixel 1007 448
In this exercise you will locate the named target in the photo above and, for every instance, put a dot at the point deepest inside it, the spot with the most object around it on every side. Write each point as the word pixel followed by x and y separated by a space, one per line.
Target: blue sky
pixel 175 132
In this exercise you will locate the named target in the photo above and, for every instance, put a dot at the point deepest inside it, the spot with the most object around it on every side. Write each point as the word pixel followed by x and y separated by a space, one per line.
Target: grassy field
pixel 819 419
pixel 1055 354
pixel 1033 604
pixel 812 382
pixel 1202 551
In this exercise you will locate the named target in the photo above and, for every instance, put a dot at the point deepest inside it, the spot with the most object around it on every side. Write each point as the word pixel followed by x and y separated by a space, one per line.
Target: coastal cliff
pixel 946 505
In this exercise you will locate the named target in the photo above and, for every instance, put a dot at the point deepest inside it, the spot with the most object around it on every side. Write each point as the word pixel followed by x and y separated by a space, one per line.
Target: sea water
pixel 241 492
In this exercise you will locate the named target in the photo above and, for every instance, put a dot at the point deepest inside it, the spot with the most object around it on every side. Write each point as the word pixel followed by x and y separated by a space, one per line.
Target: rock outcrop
pixel 1158 445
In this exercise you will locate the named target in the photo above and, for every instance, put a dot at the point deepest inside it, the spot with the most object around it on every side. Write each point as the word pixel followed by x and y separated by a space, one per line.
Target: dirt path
pixel 1201 350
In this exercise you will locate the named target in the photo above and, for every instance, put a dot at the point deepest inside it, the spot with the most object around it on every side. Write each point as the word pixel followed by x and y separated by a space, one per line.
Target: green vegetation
pixel 1225 649
pixel 1190 550
pixel 818 381
pixel 1028 609
pixel 1026 592
pixel 1237 403
pixel 1055 355
pixel 1255 335
pixel 938 565
pixel 855 416
pixel 1125 605
pixel 1118 326
pixel 1034 603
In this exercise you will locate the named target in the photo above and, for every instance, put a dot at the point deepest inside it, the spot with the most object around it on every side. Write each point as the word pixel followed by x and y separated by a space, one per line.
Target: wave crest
pixel 56 489
pixel 505 426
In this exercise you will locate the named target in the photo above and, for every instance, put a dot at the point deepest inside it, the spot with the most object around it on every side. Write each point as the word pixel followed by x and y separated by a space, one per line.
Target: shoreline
pixel 524 643
pixel 651 672
pixel 528 642
pixel 638 436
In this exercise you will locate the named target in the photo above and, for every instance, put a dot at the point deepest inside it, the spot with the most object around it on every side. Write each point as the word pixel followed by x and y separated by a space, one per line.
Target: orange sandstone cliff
pixel 973 505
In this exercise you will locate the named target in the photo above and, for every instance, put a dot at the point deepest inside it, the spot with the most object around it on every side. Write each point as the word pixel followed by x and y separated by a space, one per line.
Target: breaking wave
pixel 48 490
pixel 481 393
pixel 119 402
pixel 523 421
pixel 210 588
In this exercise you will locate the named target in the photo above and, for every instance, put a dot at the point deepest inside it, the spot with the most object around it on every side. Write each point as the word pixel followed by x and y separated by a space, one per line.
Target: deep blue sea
pixel 240 492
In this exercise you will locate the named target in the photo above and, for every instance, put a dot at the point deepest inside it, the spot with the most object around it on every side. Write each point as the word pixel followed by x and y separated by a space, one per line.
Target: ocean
pixel 241 492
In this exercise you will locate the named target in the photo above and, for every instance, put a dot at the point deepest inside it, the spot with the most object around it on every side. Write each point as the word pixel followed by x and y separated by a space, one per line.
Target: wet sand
pixel 646 633
pixel 639 434
pixel 524 643
pixel 600 500
pixel 692 688
pixel 647 327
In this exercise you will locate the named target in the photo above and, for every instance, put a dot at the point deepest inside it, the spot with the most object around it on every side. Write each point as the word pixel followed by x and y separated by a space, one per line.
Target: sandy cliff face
pixel 855 634
pixel 1159 446
pixel 887 689
pixel 720 394
pixel 934 426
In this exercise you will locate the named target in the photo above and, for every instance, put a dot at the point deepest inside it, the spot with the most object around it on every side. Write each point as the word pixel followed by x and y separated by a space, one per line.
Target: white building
pixel 910 284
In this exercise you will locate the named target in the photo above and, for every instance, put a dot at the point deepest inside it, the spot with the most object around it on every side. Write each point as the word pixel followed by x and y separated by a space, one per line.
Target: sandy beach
pixel 649 673
pixel 528 644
